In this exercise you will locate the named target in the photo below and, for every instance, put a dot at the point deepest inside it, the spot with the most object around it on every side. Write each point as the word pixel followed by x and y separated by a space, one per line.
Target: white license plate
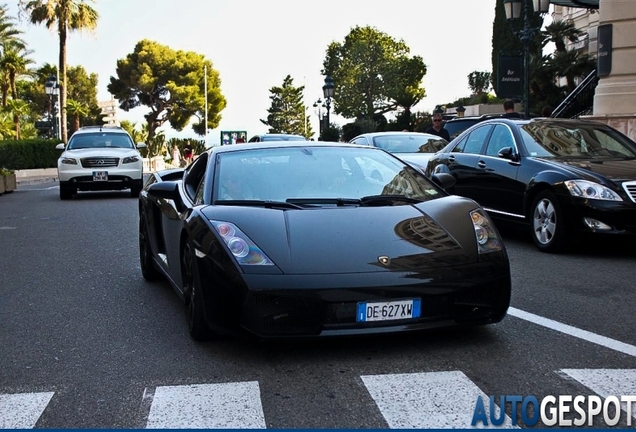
pixel 100 175
pixel 386 311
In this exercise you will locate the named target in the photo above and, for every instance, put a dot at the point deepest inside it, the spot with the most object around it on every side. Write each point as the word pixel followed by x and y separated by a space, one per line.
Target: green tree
pixel 479 82
pixel 63 16
pixel 82 87
pixel 76 110
pixel 19 109
pixel 287 114
pixel 171 83
pixel 13 64
pixel 373 73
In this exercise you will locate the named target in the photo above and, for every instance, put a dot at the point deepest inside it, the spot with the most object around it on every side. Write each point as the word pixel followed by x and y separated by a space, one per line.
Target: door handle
pixel 481 164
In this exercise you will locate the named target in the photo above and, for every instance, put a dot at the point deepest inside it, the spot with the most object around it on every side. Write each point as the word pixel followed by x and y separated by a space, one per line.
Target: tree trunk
pixel 63 86
pixel 16 122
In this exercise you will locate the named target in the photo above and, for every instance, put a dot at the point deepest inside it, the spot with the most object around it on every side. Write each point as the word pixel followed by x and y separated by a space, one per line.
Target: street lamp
pixel 327 92
pixel 52 89
pixel 318 106
pixel 460 110
pixel 513 11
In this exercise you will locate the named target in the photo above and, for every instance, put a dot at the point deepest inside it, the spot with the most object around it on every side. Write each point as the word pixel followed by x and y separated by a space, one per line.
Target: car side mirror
pixel 165 190
pixel 444 180
pixel 60 146
pixel 141 145
pixel 508 153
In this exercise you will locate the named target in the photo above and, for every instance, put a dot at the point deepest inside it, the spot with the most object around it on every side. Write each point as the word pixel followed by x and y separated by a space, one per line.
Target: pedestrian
pixel 187 153
pixel 546 111
pixel 438 127
pixel 176 156
pixel 509 109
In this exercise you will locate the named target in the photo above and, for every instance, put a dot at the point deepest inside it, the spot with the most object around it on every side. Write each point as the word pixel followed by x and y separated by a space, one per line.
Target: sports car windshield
pixel 576 139
pixel 318 175
pixel 99 140
pixel 403 143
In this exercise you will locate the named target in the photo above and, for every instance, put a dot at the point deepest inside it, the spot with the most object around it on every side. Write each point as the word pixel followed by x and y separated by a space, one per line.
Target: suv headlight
pixel 591 190
pixel 130 159
pixel 68 161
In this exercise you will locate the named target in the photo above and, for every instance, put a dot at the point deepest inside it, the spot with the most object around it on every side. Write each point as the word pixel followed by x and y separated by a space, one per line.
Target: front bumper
pixel 619 216
pixel 118 178
pixel 284 306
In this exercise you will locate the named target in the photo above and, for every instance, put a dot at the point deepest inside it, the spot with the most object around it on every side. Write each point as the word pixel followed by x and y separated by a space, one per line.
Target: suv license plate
pixel 100 175
pixel 386 311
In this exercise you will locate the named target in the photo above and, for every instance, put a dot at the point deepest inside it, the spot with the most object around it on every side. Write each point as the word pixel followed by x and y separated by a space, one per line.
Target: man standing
pixel 509 108
pixel 438 128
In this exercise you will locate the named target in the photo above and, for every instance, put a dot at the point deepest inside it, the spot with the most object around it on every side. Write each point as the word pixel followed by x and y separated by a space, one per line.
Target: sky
pixel 255 44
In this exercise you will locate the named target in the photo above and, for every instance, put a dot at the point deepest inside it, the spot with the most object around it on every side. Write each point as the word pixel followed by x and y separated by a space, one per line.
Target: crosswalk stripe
pixel 234 405
pixel 607 382
pixel 431 400
pixel 22 410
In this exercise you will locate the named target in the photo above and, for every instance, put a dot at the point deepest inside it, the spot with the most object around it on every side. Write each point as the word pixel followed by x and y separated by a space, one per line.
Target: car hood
pixel 436 233
pixel 616 169
pixel 420 160
pixel 99 152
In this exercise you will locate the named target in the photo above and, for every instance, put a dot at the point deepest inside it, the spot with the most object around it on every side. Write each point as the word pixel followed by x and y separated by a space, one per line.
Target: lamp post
pixel 514 9
pixel 327 92
pixel 52 89
pixel 318 106
pixel 460 110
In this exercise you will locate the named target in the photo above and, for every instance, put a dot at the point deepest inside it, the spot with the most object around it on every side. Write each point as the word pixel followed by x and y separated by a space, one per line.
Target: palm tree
pixel 560 31
pixel 76 110
pixel 63 15
pixel 13 63
pixel 18 108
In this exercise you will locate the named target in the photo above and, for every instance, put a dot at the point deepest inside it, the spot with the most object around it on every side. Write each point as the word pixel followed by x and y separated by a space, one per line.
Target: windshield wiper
pixel 332 201
pixel 259 203
pixel 378 200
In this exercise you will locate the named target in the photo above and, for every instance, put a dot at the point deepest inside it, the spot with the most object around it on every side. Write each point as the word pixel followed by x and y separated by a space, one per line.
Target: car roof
pixel 102 128
pixel 278 144
pixel 393 133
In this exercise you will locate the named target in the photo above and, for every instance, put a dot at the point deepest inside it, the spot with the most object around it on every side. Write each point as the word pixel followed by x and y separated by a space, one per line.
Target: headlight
pixel 243 249
pixel 130 159
pixel 68 161
pixel 487 239
pixel 591 190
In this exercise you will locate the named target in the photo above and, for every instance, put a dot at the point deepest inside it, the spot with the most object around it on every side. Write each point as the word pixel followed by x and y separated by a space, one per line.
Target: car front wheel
pixel 548 230
pixel 148 270
pixel 195 316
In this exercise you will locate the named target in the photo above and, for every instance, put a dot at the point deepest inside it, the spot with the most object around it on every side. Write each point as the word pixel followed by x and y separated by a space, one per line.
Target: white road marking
pixel 431 400
pixel 22 410
pixel 574 331
pixel 207 406
pixel 607 382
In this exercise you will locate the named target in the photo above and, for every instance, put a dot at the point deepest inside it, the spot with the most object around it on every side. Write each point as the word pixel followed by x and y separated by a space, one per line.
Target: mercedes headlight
pixel 591 190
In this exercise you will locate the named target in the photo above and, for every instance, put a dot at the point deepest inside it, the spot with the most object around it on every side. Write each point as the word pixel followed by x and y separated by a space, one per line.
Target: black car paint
pixel 340 269
pixel 507 186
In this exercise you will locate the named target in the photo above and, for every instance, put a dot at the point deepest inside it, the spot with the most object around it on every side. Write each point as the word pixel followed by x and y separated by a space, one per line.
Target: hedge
pixel 29 154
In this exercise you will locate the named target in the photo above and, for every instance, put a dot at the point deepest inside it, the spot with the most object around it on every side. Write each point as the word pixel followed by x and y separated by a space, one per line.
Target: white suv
pixel 100 158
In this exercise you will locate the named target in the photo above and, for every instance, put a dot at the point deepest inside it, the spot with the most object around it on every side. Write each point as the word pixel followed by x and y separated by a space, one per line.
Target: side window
pixel 361 141
pixel 459 148
pixel 476 139
pixel 198 198
pixel 193 176
pixel 501 137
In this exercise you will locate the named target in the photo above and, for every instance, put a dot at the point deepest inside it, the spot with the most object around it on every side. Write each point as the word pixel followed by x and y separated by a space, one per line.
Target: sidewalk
pixel 34 176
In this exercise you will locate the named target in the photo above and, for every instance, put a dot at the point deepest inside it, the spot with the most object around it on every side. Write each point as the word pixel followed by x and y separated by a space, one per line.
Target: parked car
pixel 562 178
pixel 276 137
pixel 413 147
pixel 100 158
pixel 319 248
pixel 457 125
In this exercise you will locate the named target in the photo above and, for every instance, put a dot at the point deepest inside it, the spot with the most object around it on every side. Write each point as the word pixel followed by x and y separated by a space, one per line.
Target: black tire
pixel 195 314
pixel 65 193
pixel 148 270
pixel 546 223
pixel 135 191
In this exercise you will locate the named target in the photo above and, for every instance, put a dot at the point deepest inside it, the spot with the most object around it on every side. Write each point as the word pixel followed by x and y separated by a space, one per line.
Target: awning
pixel 589 4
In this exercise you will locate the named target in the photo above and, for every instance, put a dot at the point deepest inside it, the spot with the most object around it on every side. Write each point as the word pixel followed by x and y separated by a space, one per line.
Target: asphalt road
pixel 87 343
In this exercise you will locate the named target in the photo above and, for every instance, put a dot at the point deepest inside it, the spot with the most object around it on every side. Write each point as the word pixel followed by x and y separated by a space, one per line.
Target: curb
pixel 35 180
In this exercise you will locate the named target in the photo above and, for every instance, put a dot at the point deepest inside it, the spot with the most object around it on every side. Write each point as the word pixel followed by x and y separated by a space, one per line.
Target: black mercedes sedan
pixel 563 178
pixel 298 239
